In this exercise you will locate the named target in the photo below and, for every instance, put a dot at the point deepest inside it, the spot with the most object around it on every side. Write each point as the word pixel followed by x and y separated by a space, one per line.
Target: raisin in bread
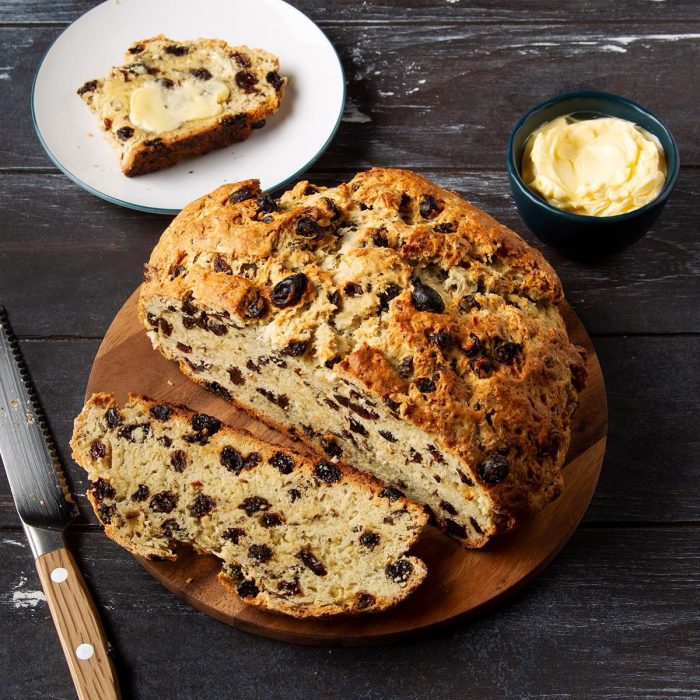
pixel 175 99
pixel 296 536
pixel 388 322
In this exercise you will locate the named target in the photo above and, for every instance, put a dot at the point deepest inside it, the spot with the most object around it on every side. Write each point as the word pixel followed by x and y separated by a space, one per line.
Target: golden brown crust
pixel 492 377
pixel 164 153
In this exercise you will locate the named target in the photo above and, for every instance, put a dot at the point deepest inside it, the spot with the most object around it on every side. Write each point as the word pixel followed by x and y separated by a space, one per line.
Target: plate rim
pixel 166 211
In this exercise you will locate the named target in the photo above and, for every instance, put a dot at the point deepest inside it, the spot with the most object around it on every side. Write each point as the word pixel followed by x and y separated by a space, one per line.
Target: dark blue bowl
pixel 575 234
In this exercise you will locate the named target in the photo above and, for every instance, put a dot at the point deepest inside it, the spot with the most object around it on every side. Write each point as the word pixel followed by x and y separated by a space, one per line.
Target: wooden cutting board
pixel 460 582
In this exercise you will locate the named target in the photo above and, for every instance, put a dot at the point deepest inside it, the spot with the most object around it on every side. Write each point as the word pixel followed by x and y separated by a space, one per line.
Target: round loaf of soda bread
pixel 389 323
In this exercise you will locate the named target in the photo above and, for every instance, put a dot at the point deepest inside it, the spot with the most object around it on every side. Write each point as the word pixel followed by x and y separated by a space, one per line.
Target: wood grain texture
pixel 78 625
pixel 653 388
pixel 460 582
pixel 81 256
pixel 444 94
pixel 425 11
pixel 614 616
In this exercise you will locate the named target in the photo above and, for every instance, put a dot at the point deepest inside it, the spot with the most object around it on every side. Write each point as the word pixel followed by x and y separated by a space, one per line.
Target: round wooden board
pixel 460 582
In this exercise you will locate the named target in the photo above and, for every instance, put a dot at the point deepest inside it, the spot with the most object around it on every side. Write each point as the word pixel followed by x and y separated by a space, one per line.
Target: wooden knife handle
pixel 78 624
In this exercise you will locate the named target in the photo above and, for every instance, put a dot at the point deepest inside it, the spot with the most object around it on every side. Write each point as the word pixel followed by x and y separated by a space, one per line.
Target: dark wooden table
pixel 433 85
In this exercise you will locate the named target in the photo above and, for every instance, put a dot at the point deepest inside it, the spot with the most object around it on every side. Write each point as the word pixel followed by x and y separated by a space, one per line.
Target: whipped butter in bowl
pixel 590 172
pixel 596 167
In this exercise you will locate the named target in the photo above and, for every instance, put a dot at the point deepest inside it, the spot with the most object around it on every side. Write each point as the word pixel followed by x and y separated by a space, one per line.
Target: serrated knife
pixel 45 508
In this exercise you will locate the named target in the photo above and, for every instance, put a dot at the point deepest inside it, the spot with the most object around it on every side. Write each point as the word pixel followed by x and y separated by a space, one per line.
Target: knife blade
pixel 45 507
pixel 26 446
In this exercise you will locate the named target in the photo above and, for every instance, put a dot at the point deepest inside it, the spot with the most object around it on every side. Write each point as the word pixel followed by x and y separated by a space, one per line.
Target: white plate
pixel 293 138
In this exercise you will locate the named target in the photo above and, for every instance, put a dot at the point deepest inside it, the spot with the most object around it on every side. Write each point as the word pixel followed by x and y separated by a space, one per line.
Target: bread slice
pixel 388 322
pixel 301 537
pixel 172 99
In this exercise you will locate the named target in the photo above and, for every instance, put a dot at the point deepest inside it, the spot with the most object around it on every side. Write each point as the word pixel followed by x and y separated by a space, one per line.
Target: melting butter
pixel 596 167
pixel 156 108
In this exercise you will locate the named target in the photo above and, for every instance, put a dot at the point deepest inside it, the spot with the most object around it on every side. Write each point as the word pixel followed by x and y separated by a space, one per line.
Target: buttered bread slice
pixel 304 537
pixel 172 99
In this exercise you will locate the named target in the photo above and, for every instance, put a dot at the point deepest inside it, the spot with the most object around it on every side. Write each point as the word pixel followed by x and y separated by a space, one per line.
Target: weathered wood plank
pixel 450 95
pixel 651 472
pixel 37 11
pixel 69 260
pixel 447 94
pixel 651 465
pixel 615 616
